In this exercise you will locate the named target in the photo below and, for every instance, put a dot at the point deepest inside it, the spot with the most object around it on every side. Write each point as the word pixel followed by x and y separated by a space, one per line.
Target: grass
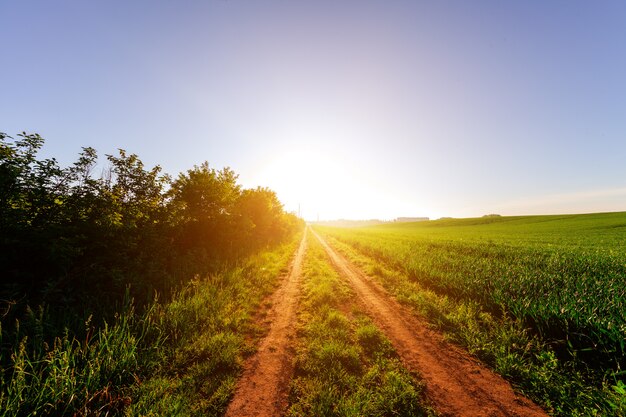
pixel 345 366
pixel 176 358
pixel 541 298
pixel 73 376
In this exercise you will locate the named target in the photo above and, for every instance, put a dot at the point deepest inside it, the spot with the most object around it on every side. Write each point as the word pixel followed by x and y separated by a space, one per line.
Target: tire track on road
pixel 456 384
pixel 263 388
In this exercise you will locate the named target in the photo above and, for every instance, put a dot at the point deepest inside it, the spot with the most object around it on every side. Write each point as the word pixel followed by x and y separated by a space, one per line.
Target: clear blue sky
pixel 355 109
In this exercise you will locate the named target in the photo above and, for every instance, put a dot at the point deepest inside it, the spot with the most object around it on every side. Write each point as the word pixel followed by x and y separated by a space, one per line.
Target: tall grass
pixel 76 376
pixel 179 357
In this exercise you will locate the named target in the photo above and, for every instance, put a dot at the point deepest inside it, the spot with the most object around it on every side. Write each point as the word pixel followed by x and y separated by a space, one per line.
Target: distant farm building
pixel 411 219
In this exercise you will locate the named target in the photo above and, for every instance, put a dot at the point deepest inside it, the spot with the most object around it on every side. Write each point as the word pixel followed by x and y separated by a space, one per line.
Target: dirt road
pixel 456 384
pixel 263 388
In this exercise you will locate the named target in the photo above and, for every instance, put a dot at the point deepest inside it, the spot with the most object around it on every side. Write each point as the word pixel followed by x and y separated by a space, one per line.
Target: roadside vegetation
pixel 122 292
pixel 344 365
pixel 541 299
pixel 209 329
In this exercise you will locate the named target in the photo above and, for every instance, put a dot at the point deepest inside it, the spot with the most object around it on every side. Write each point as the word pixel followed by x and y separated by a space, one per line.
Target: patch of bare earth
pixel 263 389
pixel 456 384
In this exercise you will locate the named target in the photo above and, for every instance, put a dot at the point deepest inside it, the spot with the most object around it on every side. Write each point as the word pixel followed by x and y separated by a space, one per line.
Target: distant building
pixel 411 219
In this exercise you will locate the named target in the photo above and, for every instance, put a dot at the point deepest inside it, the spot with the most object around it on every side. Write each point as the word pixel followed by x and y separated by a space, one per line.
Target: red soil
pixel 264 386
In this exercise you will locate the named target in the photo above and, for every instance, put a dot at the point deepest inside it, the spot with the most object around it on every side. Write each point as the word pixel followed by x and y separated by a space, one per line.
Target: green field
pixel 559 280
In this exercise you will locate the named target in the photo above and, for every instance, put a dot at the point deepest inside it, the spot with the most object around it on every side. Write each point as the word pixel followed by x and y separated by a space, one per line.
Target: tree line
pixel 76 243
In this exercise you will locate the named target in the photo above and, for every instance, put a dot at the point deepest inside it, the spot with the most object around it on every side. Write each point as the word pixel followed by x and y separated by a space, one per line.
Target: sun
pixel 305 180
pixel 321 185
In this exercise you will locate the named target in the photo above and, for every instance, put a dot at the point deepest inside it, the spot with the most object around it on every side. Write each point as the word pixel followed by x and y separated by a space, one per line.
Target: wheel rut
pixel 262 390
pixel 456 384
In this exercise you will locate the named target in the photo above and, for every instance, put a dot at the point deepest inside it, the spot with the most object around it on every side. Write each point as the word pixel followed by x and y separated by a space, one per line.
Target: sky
pixel 347 109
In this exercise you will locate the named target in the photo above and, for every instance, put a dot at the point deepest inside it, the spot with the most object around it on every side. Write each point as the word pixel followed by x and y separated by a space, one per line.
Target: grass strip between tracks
pixel 345 366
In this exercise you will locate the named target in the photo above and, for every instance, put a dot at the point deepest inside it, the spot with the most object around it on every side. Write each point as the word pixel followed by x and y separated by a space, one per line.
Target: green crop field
pixel 559 280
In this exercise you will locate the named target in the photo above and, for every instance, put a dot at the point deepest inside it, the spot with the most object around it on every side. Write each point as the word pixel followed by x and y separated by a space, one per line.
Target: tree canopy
pixel 72 239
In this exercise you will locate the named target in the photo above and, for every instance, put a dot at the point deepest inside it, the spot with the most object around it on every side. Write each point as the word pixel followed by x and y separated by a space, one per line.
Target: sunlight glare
pixel 320 184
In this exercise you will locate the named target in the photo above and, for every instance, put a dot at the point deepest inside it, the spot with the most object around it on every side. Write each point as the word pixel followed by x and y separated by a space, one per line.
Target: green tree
pixel 203 202
pixel 261 216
